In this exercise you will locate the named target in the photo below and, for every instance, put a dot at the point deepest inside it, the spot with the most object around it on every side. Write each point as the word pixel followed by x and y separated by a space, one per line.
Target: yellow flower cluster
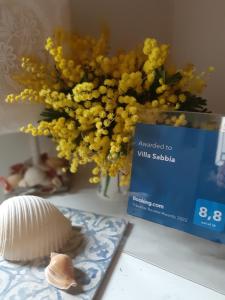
pixel 131 81
pixel 176 120
pixel 157 55
pixel 93 101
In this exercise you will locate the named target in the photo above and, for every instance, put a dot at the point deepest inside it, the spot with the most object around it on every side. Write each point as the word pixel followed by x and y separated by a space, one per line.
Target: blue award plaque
pixel 178 179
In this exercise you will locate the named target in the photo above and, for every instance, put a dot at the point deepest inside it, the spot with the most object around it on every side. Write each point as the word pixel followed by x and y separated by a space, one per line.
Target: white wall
pixel 24 26
pixel 130 21
pixel 16 148
pixel 199 38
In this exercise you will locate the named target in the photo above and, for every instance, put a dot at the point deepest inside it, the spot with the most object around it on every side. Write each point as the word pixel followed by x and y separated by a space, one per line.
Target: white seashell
pixel 34 176
pixel 31 227
pixel 60 271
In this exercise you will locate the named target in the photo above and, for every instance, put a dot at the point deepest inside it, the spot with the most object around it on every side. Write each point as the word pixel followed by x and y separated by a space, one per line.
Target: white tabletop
pixel 156 260
pixel 134 279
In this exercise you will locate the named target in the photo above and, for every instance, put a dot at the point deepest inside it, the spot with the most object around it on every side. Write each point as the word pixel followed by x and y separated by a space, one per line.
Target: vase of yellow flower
pixel 93 101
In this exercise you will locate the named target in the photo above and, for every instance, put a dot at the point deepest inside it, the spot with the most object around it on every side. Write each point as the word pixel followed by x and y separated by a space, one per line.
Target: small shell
pixel 31 227
pixel 5 184
pixel 34 176
pixel 60 271
pixel 14 179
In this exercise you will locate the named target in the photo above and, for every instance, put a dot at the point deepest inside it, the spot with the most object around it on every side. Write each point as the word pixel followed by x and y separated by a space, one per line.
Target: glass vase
pixel 109 188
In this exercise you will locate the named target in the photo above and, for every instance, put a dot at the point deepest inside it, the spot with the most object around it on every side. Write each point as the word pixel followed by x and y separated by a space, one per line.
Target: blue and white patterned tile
pixel 101 237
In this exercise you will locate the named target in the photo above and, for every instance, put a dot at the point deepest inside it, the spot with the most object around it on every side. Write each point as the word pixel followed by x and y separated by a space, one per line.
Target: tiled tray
pixel 98 239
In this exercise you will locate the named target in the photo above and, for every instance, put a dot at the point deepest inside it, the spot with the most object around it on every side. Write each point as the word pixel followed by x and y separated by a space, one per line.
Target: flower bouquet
pixel 93 100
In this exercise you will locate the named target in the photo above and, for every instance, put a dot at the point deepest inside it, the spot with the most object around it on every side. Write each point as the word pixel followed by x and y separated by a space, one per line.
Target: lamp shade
pixel 24 26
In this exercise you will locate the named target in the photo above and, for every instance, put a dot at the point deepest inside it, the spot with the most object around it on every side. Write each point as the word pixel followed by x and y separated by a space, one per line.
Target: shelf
pixel 182 254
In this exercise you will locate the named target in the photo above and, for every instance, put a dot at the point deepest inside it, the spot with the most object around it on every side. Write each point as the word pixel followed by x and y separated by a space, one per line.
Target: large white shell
pixel 31 227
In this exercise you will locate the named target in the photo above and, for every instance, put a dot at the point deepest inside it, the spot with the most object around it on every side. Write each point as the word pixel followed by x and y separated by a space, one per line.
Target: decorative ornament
pixel 45 177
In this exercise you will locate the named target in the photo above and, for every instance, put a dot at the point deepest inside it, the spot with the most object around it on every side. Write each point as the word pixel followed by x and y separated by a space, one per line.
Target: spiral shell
pixel 31 227
pixel 60 271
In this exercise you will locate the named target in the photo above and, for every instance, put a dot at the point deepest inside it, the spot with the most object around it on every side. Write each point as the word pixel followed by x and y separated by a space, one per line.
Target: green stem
pixel 107 180
pixel 118 183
